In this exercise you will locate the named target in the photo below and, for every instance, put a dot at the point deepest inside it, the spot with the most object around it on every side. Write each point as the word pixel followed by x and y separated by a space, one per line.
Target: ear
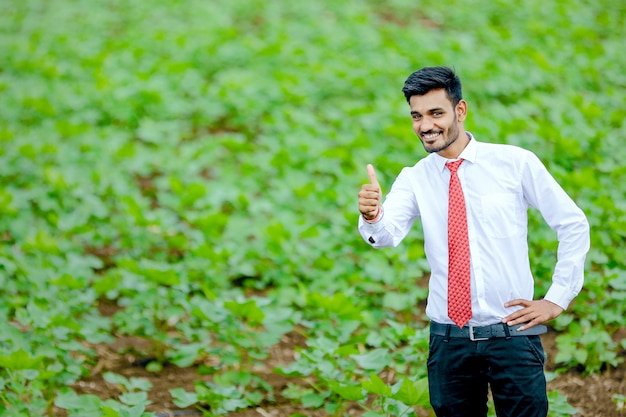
pixel 461 111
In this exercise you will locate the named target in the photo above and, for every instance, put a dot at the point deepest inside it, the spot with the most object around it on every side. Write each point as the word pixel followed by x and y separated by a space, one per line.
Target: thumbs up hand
pixel 370 196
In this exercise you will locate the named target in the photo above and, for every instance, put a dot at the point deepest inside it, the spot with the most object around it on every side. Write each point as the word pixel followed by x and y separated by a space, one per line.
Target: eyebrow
pixel 435 109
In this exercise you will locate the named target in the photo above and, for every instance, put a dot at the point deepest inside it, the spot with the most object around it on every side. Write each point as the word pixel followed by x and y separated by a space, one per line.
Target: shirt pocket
pixel 499 212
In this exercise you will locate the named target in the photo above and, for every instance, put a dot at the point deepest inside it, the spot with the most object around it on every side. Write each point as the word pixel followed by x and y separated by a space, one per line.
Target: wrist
pixel 374 219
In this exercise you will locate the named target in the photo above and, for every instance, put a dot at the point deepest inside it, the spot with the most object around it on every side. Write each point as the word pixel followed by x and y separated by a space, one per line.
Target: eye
pixel 438 113
pixel 415 116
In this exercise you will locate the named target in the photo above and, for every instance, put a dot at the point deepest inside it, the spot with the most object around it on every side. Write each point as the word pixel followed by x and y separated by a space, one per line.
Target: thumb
pixel 372 175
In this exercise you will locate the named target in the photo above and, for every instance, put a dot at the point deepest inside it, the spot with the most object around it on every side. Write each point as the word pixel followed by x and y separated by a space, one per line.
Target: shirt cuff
pixel 560 295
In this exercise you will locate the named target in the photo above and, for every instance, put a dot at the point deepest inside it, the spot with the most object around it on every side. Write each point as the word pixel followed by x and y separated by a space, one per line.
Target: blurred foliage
pixel 196 163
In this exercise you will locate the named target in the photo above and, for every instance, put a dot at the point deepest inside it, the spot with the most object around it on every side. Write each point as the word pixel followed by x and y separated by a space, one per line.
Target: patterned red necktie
pixel 459 297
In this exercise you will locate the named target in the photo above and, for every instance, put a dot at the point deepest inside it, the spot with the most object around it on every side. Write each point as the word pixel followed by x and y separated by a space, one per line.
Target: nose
pixel 426 124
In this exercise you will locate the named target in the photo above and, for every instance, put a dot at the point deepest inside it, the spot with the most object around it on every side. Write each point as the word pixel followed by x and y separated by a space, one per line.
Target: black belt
pixel 492 331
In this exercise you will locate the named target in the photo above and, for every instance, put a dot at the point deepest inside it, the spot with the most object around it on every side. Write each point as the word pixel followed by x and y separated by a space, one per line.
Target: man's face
pixel 435 121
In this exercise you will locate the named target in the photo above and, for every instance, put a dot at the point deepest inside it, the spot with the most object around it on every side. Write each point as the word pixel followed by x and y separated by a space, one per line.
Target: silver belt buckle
pixel 473 338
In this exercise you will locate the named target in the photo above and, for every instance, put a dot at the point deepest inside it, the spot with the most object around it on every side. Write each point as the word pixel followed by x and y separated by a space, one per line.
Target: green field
pixel 192 167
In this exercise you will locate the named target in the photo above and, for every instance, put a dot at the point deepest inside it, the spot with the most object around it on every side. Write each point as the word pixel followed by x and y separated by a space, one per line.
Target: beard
pixel 449 138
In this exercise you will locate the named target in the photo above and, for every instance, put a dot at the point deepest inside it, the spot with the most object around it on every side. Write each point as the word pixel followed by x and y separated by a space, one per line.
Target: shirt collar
pixel 469 154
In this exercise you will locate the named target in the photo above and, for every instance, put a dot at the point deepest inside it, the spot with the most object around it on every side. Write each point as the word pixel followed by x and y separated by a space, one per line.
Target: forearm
pixel 382 232
pixel 394 218
pixel 569 272
pixel 374 232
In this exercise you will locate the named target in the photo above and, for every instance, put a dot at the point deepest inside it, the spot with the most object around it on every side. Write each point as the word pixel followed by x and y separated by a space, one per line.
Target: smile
pixel 430 136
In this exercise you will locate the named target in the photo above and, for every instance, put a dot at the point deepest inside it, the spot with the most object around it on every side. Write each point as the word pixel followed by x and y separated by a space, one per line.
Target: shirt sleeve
pixel 570 224
pixel 399 212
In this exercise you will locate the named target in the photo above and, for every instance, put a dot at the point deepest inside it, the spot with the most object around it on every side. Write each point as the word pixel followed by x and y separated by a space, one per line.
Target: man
pixel 472 199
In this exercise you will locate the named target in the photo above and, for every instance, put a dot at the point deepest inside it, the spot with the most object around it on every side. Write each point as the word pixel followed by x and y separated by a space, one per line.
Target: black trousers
pixel 460 371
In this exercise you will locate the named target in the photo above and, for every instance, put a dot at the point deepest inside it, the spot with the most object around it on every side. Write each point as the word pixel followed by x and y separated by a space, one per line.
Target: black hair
pixel 433 78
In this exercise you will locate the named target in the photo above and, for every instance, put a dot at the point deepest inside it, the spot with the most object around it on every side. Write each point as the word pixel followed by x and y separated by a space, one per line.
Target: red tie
pixel 459 297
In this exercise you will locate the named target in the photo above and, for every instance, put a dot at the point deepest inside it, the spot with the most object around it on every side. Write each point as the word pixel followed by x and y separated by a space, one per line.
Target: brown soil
pixel 592 394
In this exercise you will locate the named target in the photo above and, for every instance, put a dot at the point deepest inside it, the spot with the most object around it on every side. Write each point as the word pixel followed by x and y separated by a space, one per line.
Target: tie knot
pixel 454 165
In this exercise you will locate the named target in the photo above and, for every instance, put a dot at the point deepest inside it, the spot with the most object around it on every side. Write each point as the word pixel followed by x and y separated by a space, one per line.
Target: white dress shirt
pixel 500 182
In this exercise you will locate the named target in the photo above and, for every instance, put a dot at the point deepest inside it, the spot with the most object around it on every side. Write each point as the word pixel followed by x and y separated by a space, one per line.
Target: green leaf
pixel 141 384
pixel 247 310
pixel 154 366
pixel 20 359
pixel 347 392
pixel 294 391
pixel 580 356
pixel 134 398
pixel 313 400
pixel 110 412
pixel 117 379
pixel 376 385
pixel 375 360
pixel 182 398
pixel 374 414
pixel 83 405
pixel 398 301
pixel 185 355
pixel 413 393
pixel 559 407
